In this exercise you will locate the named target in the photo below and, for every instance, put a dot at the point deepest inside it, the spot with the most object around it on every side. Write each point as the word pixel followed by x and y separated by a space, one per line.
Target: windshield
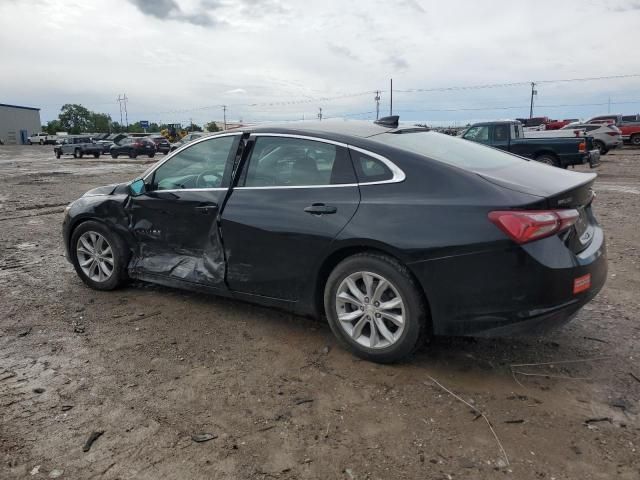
pixel 452 150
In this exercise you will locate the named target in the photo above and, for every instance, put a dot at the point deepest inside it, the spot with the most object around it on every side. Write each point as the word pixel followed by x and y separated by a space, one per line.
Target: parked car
pixel 629 126
pixel 107 140
pixel 186 139
pixel 133 147
pixel 162 144
pixel 42 138
pixel 78 146
pixel 605 137
pixel 393 233
pixel 558 124
pixel 557 151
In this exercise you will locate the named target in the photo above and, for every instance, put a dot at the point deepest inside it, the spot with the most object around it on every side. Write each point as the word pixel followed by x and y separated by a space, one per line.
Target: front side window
pixel 284 162
pixel 201 165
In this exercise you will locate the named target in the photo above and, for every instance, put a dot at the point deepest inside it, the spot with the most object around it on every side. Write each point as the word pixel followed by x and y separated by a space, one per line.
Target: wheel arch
pixel 344 251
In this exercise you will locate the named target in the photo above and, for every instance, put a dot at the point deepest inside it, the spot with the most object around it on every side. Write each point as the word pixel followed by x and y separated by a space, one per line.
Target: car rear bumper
pixel 518 290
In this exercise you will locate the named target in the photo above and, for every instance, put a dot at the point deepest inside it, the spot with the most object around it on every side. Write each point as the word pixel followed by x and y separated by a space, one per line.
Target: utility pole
pixel 391 98
pixel 224 116
pixel 320 113
pixel 377 99
pixel 191 122
pixel 533 92
pixel 609 105
pixel 120 104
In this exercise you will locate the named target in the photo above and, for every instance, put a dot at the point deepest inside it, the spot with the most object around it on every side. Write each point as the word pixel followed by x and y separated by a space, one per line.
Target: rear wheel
pixel 58 154
pixel 548 160
pixel 41 142
pixel 96 155
pixel 600 146
pixel 99 256
pixel 133 154
pixel 375 308
pixel 77 153
pixel 114 155
pixel 151 155
pixel 635 139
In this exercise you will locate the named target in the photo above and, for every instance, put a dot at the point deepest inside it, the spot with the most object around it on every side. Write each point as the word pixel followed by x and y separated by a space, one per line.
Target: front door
pixel 175 220
pixel 295 195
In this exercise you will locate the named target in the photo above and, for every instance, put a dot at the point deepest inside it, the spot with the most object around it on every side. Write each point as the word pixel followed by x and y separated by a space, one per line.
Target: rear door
pixel 295 195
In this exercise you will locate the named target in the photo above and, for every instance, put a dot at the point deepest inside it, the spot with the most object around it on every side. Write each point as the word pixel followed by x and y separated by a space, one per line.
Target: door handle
pixel 205 209
pixel 320 209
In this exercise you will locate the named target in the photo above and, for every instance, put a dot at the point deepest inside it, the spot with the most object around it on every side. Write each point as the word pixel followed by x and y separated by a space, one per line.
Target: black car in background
pixel 133 147
pixel 162 144
pixel 393 234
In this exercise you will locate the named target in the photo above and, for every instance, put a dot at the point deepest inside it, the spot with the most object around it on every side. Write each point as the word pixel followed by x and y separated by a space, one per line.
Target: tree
pixel 101 122
pixel 75 118
pixel 53 127
pixel 192 127
pixel 212 127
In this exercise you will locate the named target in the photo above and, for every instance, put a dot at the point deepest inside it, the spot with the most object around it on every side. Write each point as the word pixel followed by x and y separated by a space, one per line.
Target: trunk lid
pixel 561 189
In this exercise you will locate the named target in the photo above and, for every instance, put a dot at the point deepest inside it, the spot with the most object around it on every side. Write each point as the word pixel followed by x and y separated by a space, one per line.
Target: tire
pixel 120 256
pixel 398 342
pixel 41 142
pixel 635 139
pixel 77 153
pixel 114 155
pixel 58 154
pixel 133 154
pixel 151 155
pixel 29 142
pixel 96 155
pixel 600 146
pixel 548 159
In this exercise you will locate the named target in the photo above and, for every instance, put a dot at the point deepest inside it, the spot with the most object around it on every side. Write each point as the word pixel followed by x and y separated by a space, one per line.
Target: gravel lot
pixel 151 367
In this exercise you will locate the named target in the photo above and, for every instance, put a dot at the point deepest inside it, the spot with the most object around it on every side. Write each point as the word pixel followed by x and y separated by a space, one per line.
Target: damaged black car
pixel 393 233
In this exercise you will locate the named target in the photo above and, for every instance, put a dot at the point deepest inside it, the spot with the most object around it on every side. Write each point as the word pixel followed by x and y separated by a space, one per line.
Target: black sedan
pixel 393 234
pixel 133 147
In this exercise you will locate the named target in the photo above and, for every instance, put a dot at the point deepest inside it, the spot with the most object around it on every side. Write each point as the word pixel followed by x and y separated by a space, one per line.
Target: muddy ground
pixel 151 367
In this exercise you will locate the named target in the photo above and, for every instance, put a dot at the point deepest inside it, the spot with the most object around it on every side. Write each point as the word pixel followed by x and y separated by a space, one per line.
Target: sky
pixel 180 61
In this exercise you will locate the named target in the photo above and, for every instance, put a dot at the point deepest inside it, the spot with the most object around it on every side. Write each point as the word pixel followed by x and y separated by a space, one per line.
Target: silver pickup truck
pixel 78 146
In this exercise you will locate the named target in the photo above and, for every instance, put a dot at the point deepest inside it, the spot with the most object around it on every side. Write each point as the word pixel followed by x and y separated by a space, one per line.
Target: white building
pixel 17 123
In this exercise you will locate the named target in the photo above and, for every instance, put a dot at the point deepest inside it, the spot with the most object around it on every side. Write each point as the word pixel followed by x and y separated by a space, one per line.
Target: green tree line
pixel 75 118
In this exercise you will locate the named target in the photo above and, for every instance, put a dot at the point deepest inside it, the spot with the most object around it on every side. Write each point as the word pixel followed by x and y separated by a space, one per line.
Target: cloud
pixel 414 5
pixel 170 10
pixel 398 62
pixel 236 91
pixel 342 51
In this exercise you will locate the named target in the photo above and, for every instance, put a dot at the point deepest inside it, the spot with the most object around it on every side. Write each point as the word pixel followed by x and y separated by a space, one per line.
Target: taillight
pixel 612 134
pixel 524 226
pixel 582 147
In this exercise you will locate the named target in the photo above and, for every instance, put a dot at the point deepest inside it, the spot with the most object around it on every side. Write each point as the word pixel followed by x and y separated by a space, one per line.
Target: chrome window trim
pixel 212 189
pixel 397 174
pixel 184 147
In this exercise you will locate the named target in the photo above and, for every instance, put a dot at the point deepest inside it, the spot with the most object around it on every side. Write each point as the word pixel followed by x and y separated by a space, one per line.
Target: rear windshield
pixel 452 150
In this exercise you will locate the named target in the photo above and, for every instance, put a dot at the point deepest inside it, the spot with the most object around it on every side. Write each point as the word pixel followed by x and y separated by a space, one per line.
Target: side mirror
pixel 137 187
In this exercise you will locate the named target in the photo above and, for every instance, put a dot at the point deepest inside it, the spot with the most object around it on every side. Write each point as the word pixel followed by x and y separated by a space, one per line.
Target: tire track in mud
pixel 38 210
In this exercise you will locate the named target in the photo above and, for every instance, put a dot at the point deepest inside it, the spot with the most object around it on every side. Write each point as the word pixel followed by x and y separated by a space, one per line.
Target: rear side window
pixel 369 169
pixel 294 162
pixel 452 150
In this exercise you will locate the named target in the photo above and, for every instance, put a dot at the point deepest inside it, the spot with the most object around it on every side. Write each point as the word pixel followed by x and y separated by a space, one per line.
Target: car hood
pixel 105 190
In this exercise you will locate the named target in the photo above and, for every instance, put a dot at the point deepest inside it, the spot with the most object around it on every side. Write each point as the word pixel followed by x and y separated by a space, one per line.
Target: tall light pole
pixel 391 98
pixel 377 99
pixel 224 116
pixel 320 113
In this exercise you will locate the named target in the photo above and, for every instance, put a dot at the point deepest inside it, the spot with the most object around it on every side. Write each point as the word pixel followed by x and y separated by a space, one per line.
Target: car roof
pixel 329 129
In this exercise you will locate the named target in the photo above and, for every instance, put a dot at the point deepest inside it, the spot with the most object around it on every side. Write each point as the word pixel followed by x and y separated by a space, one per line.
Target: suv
pixel 605 137
pixel 78 147
pixel 162 144
pixel 133 147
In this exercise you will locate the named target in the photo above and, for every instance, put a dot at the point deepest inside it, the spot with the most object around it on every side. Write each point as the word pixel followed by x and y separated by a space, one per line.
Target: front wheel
pixel 375 308
pixel 96 155
pixel 114 155
pixel 133 154
pixel 151 155
pixel 58 154
pixel 635 139
pixel 99 256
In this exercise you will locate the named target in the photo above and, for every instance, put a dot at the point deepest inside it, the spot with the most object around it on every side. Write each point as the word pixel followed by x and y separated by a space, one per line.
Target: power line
pixel 512 107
